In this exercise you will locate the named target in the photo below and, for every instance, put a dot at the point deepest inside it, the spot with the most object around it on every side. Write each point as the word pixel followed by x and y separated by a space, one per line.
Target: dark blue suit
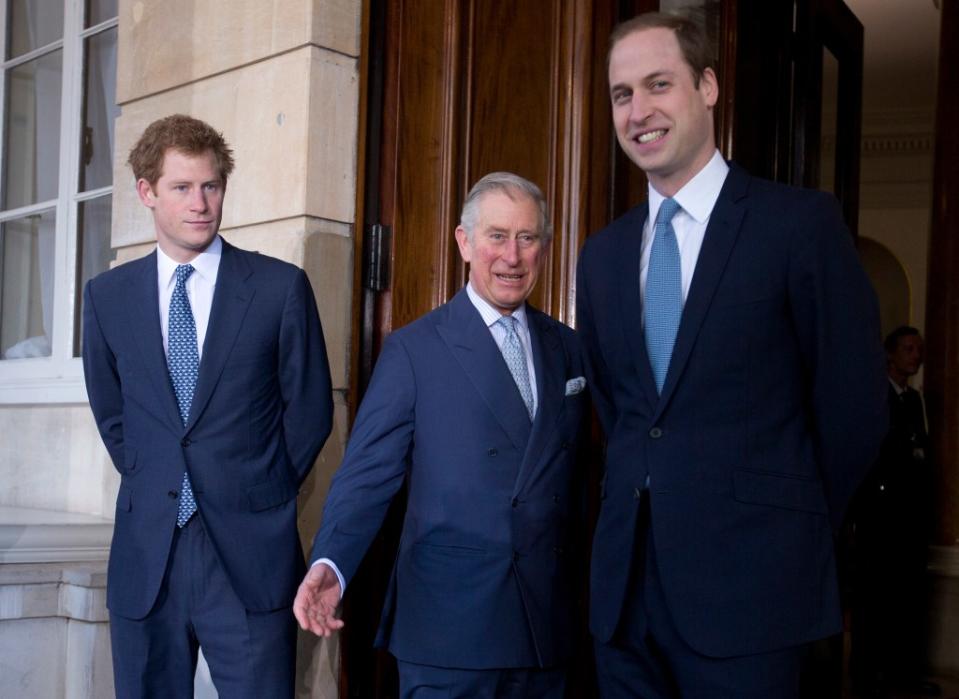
pixel 481 578
pixel 771 413
pixel 261 411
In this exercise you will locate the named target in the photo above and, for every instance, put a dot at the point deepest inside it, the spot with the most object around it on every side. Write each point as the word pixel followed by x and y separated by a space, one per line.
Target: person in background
pixel 891 520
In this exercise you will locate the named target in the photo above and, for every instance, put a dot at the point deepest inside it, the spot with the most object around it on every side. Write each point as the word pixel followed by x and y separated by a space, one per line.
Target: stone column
pixel 281 81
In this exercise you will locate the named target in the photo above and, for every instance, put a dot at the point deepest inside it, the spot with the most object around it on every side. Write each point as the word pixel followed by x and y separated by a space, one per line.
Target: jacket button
pixel 492 452
pixel 173 494
pixel 185 442
pixel 637 493
pixel 655 433
pixel 515 503
pixel 556 499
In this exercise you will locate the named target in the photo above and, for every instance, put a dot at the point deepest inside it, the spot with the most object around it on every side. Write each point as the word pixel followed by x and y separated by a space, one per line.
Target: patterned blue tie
pixel 515 357
pixel 663 306
pixel 183 361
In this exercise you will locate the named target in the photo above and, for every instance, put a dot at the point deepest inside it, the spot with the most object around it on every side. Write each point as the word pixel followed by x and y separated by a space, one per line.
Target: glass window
pixel 31 153
pixel 100 11
pixel 32 24
pixel 58 86
pixel 94 253
pixel 99 110
pixel 27 246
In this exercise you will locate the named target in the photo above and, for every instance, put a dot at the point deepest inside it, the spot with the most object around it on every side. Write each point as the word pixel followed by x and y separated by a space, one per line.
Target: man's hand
pixel 316 601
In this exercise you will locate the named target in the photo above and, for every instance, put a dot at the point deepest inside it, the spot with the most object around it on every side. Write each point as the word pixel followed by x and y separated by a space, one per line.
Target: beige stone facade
pixel 281 81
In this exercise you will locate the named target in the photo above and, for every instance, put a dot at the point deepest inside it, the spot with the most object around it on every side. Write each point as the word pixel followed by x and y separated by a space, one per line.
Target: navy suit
pixel 480 579
pixel 261 411
pixel 772 411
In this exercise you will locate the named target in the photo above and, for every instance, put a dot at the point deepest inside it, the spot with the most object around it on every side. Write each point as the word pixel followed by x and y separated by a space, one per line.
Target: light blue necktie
pixel 663 306
pixel 515 357
pixel 183 361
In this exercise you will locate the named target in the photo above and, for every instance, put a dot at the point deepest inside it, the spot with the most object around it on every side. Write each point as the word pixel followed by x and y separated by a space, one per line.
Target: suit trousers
pixel 428 682
pixel 647 657
pixel 249 654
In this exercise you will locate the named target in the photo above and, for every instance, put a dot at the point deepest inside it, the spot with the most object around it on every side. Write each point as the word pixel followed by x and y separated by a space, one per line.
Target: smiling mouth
pixel 509 277
pixel 651 136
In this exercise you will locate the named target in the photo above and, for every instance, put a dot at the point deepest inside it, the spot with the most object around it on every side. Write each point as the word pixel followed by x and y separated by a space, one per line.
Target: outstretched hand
pixel 316 601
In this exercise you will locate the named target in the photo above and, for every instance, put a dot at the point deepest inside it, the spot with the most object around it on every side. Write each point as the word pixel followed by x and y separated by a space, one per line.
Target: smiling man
pixel 732 346
pixel 207 375
pixel 477 407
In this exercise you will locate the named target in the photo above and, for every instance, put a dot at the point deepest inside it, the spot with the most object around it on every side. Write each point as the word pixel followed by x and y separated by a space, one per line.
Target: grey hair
pixel 510 185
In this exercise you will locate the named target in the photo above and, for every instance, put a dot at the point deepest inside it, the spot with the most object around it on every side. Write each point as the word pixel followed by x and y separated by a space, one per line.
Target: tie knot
pixel 183 273
pixel 667 210
pixel 508 323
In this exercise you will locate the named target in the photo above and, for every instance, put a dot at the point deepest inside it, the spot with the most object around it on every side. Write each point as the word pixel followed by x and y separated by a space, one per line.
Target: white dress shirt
pixel 491 317
pixel 696 199
pixel 199 289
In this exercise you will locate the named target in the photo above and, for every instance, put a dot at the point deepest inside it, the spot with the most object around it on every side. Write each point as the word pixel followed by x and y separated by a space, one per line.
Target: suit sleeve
pixel 102 380
pixel 597 372
pixel 374 466
pixel 837 324
pixel 304 375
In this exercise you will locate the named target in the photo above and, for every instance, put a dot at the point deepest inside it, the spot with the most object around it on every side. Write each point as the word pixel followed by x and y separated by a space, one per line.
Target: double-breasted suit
pixel 480 579
pixel 771 412
pixel 261 411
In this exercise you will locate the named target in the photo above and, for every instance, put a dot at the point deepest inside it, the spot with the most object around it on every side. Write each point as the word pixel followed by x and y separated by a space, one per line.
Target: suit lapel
pixel 550 388
pixel 721 234
pixel 473 347
pixel 143 314
pixel 630 299
pixel 231 299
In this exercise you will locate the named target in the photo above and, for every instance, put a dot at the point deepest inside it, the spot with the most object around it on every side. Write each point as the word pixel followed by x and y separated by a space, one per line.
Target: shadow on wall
pixel 889 279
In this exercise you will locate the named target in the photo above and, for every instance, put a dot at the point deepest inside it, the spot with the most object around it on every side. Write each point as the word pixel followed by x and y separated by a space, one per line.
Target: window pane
pixel 32 146
pixel 94 253
pixel 100 11
pixel 32 24
pixel 26 286
pixel 99 110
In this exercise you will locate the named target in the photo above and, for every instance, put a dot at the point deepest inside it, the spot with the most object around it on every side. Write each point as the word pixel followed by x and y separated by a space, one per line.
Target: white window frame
pixel 59 377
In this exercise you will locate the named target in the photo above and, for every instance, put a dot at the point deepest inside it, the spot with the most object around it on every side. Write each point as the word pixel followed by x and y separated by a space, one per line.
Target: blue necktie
pixel 515 358
pixel 183 361
pixel 663 305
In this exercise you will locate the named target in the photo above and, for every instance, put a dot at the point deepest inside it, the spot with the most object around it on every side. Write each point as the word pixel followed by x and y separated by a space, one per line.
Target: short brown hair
pixel 178 132
pixel 693 43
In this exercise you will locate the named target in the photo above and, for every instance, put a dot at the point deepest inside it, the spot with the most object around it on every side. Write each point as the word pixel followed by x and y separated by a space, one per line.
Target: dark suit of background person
pixel 713 560
pixel 260 413
pixel 891 516
pixel 479 602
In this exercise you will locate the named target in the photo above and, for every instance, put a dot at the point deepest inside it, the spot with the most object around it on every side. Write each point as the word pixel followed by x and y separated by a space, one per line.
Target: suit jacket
pixel 260 414
pixel 772 410
pixel 482 554
pixel 893 507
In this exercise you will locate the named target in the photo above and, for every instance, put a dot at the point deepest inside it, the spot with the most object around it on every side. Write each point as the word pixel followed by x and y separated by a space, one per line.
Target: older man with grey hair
pixel 477 407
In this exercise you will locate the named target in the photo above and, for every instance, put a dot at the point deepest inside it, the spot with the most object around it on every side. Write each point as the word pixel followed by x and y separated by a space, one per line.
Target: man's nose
pixel 198 200
pixel 511 251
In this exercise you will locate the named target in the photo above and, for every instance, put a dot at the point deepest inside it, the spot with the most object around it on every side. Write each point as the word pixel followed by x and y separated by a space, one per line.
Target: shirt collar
pixel 206 264
pixel 698 196
pixel 489 314
pixel 899 389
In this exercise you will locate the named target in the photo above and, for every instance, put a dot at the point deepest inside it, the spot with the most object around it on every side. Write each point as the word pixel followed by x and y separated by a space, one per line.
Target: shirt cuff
pixel 336 571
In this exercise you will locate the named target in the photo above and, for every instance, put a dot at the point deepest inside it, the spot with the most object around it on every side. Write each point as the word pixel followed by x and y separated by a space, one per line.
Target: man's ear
pixel 462 239
pixel 146 194
pixel 709 87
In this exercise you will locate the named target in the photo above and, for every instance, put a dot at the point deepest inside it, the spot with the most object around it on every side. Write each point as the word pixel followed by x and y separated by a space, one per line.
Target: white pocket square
pixel 574 386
